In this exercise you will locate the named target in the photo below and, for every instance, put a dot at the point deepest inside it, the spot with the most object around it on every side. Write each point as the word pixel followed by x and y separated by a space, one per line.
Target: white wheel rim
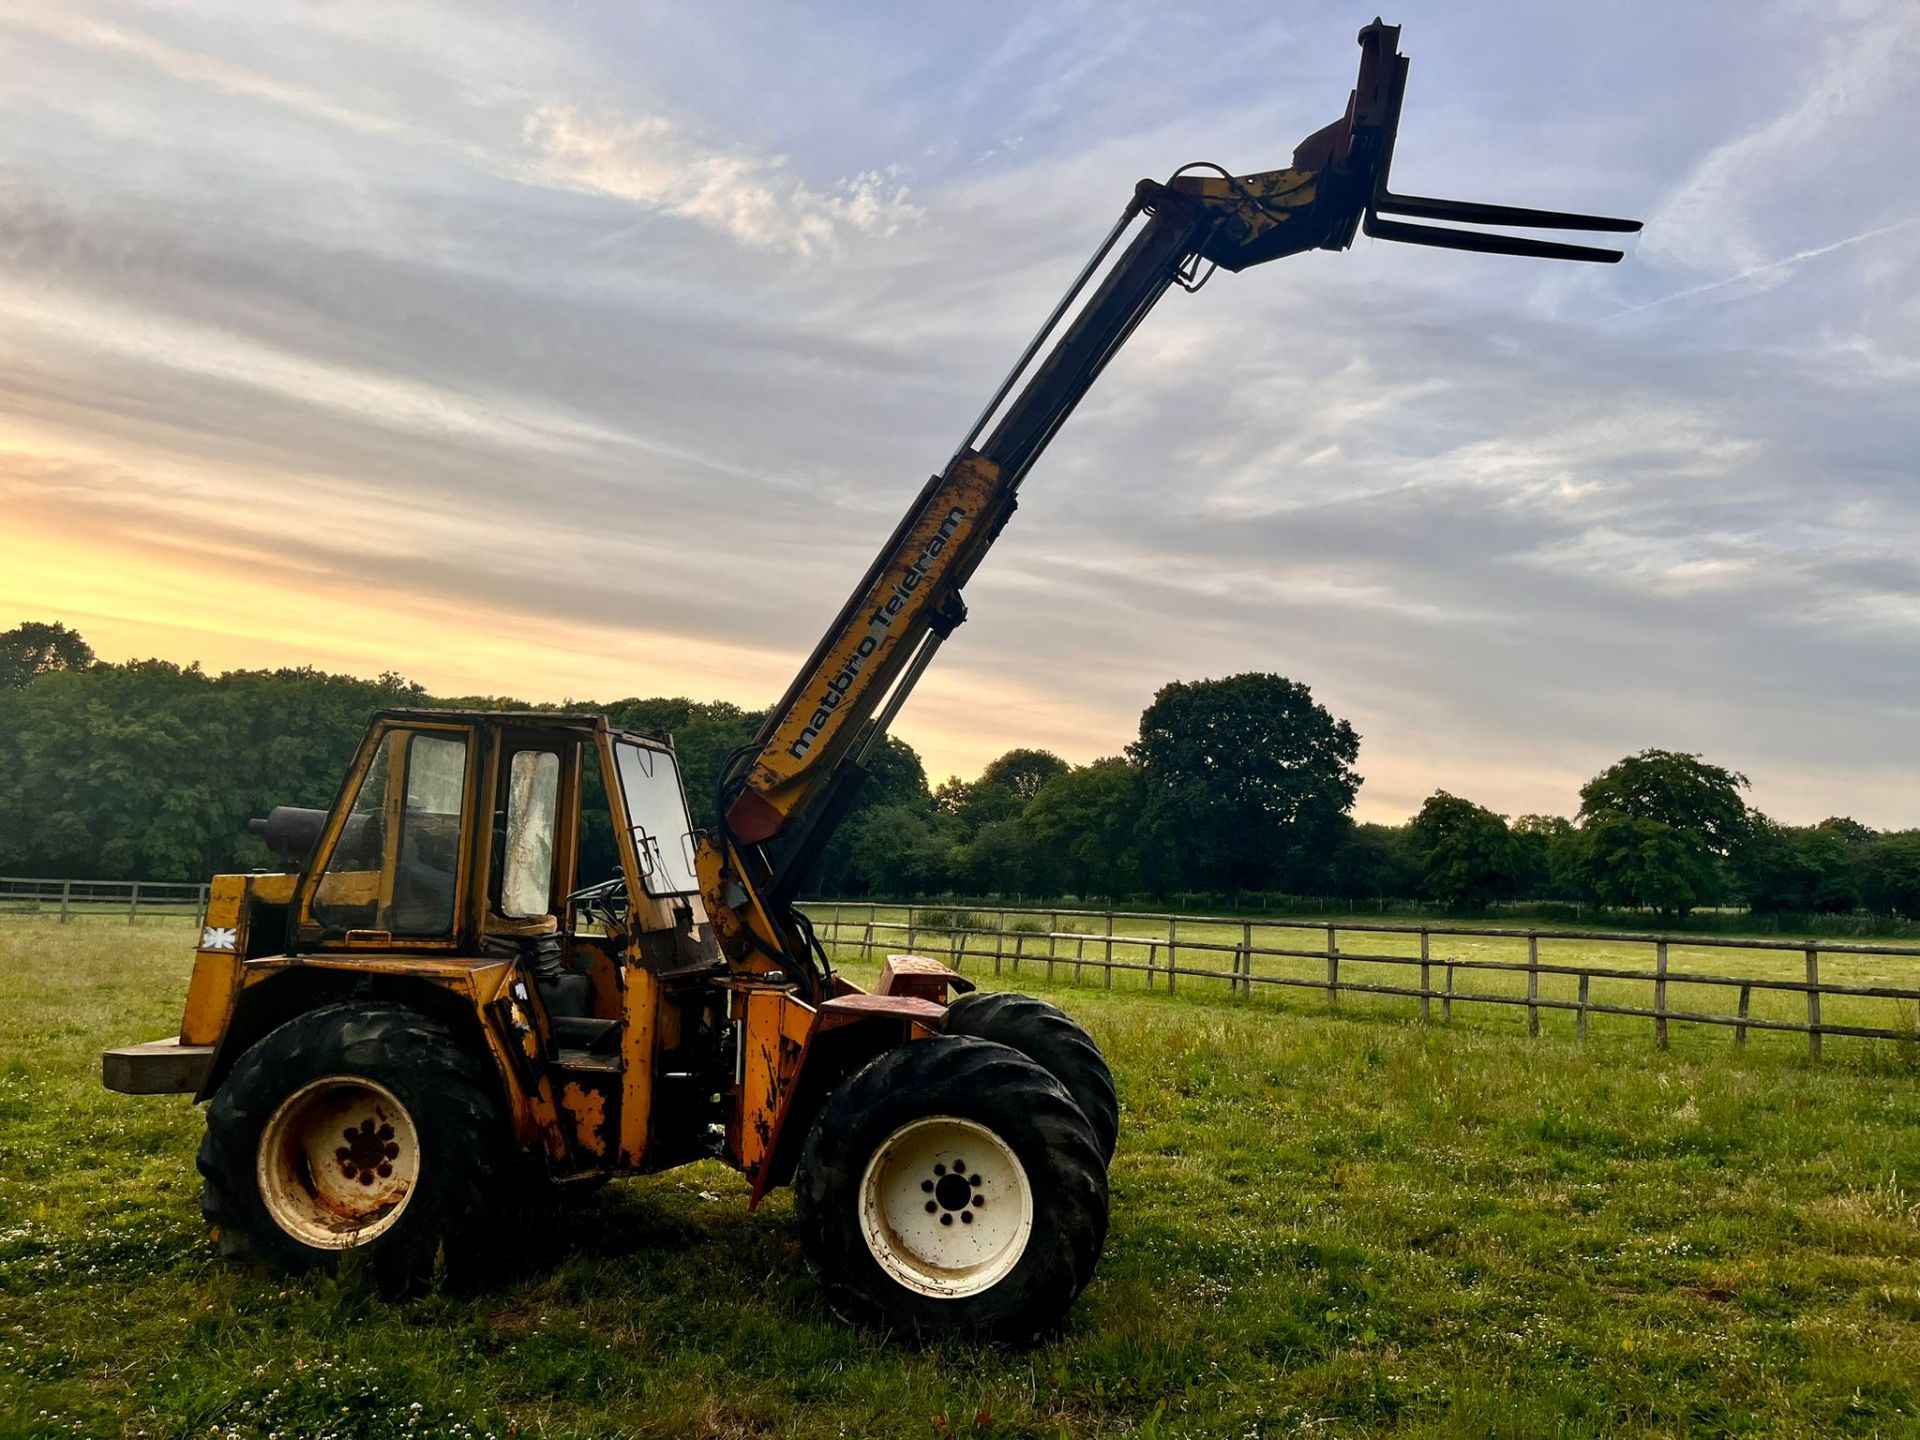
pixel 946 1207
pixel 338 1162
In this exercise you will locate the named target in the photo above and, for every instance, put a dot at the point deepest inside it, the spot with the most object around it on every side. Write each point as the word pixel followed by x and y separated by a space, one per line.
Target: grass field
pixel 1323 1225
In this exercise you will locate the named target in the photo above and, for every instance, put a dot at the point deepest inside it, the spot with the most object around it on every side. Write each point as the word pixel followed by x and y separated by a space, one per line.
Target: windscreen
pixel 657 812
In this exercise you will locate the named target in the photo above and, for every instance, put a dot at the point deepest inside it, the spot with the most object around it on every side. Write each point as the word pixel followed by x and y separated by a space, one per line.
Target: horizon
pixel 570 702
pixel 550 356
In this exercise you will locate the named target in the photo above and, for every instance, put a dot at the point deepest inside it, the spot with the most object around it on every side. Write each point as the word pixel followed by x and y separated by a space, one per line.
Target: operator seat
pixel 536 941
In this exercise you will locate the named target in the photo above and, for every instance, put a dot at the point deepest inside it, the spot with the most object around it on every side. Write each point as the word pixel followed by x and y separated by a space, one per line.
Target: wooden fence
pixel 1537 968
pixel 131 900
pixel 1870 991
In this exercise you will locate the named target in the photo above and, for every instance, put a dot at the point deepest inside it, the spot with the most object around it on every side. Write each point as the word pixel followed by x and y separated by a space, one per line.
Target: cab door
pixel 393 865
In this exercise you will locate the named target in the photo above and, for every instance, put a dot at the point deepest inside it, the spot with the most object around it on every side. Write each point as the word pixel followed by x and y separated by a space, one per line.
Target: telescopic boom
pixel 783 795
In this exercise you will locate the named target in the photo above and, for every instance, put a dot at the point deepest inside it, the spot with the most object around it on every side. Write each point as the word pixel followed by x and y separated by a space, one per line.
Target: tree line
pixel 1233 787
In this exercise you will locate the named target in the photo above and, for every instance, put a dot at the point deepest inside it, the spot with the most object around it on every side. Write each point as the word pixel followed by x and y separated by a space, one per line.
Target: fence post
pixel 1426 976
pixel 1813 1001
pixel 1740 1031
pixel 1173 967
pixel 1333 969
pixel 1446 1000
pixel 1079 955
pixel 1019 948
pixel 133 903
pixel 200 899
pixel 1580 1015
pixel 1660 995
pixel 910 929
pixel 66 899
pixel 1109 966
pixel 1533 983
pixel 1245 967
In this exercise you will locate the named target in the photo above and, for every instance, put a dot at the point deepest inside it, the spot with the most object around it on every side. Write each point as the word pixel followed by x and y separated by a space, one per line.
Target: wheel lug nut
pixel 938 1168
pixel 927 1186
pixel 946 1219
pixel 931 1207
pixel 966 1217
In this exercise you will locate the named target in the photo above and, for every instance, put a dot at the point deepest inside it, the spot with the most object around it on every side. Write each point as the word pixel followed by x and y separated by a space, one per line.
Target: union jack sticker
pixel 217 937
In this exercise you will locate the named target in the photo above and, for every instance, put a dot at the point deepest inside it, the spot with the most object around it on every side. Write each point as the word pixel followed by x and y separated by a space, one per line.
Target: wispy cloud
pixel 197 68
pixel 1722 212
pixel 653 162
pixel 1770 268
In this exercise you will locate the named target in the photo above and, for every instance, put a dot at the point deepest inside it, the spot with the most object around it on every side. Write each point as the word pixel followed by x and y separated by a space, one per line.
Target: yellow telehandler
pixel 431 1003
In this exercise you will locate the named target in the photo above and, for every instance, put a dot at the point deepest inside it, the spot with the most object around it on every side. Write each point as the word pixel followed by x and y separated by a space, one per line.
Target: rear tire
pixel 360 1128
pixel 1052 1039
pixel 952 1186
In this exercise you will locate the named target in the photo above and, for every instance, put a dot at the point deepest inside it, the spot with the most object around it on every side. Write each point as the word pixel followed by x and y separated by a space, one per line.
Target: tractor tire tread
pixel 451 1093
pixel 1053 1039
pixel 1031 1111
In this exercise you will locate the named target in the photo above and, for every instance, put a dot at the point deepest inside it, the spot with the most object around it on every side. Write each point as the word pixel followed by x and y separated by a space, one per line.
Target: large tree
pixel 150 771
pixel 1002 792
pixel 1889 871
pixel 1246 781
pixel 40 647
pixel 1542 868
pixel 1629 861
pixel 1783 868
pixel 1374 861
pixel 1673 788
pixel 1089 822
pixel 1002 858
pixel 1660 803
pixel 1024 772
pixel 886 850
pixel 1466 852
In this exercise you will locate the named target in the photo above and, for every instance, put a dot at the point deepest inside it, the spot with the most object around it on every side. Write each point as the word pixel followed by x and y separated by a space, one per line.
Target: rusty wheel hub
pixel 946 1207
pixel 338 1162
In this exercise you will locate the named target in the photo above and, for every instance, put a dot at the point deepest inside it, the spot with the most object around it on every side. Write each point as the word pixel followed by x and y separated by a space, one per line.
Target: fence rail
pixel 1806 987
pixel 1875 988
pixel 131 900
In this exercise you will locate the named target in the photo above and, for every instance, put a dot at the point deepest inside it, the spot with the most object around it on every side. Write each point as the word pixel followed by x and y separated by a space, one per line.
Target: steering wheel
pixel 608 898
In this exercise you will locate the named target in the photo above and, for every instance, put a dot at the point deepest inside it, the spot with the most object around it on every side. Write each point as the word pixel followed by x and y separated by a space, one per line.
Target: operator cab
pixel 501 834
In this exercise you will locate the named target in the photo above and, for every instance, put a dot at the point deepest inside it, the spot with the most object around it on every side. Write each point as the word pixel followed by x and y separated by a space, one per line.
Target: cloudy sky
pixel 589 350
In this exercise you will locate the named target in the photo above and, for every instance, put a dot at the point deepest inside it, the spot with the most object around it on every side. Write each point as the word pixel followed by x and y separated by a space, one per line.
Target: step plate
pixel 159 1067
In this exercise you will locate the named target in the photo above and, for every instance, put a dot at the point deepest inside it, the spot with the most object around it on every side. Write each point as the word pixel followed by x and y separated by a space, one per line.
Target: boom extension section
pixel 782 796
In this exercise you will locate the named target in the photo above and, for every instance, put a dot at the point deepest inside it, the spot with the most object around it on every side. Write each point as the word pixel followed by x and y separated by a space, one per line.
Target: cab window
pixel 657 817
pixel 396 864
pixel 533 803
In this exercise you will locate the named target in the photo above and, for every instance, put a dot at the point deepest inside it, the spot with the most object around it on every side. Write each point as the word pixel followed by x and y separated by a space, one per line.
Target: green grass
pixel 1322 1225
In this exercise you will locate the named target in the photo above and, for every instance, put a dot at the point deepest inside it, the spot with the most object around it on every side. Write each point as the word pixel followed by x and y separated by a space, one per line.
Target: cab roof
pixel 582 724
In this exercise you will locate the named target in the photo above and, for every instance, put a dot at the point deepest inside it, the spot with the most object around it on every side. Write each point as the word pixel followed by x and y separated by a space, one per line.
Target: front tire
pixel 952 1186
pixel 361 1128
